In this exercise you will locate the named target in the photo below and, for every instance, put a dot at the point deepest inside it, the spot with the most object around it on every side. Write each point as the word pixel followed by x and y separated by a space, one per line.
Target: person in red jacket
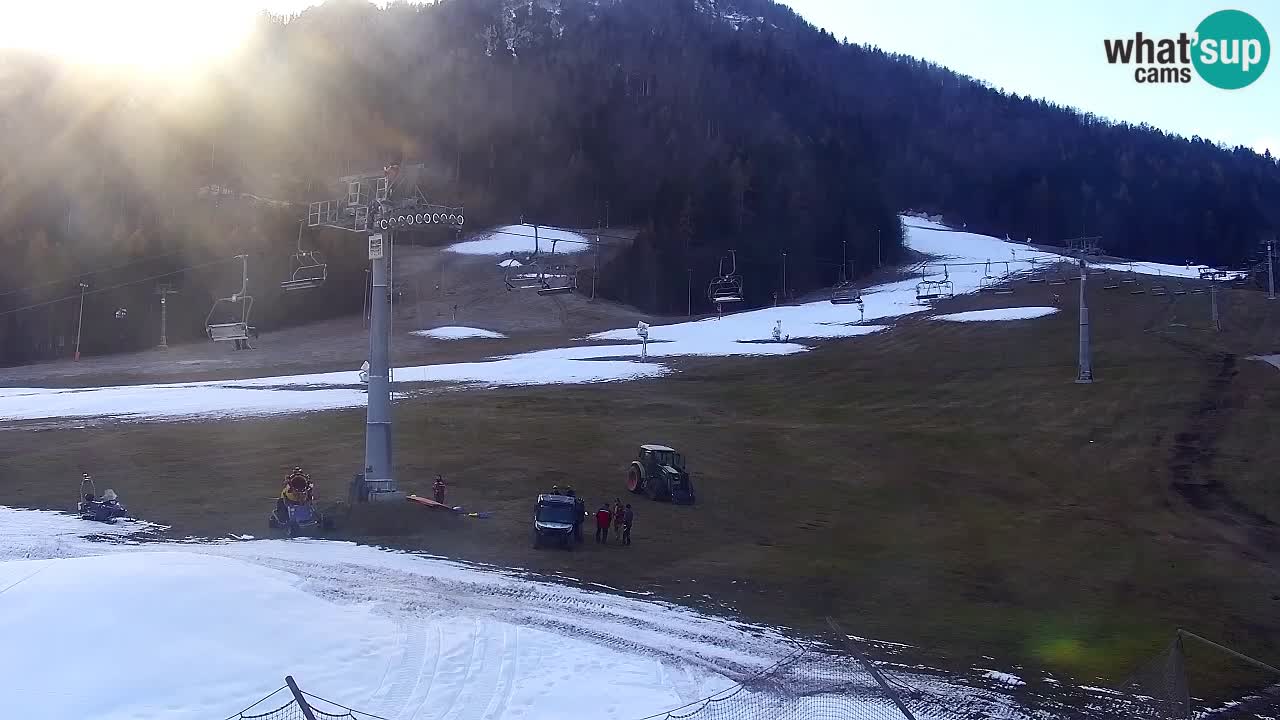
pixel 603 516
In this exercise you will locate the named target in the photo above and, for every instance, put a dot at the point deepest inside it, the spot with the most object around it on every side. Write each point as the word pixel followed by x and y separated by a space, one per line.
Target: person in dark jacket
pixel 437 489
pixel 603 516
pixel 579 513
pixel 627 517
pixel 617 520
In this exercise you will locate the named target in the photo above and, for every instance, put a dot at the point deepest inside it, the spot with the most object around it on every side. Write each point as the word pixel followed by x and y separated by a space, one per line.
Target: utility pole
pixel 1085 376
pixel 1213 306
pixel 783 290
pixel 879 261
pixel 844 258
pixel 80 320
pixel 164 290
pixel 595 274
pixel 689 292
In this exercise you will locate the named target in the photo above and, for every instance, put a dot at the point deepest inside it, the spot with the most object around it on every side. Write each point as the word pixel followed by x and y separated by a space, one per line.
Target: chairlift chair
pixel 1159 290
pixel 995 284
pixel 726 287
pixel 1035 278
pixel 561 281
pixel 1110 282
pixel 526 274
pixel 844 293
pixel 236 330
pixel 1180 289
pixel 309 268
pixel 934 289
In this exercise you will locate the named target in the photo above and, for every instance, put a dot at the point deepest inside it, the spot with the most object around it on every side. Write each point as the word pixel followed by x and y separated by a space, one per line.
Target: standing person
pixel 617 520
pixel 437 489
pixel 579 512
pixel 602 524
pixel 627 518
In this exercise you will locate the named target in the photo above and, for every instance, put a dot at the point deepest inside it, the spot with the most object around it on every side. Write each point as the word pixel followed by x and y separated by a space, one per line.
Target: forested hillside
pixel 707 124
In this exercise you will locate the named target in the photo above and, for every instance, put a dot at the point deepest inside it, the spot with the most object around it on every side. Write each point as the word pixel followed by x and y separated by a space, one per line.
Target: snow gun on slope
pixel 100 509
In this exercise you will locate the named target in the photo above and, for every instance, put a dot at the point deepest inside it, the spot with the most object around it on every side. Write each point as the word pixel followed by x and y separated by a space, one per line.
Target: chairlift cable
pixel 91 273
pixel 116 287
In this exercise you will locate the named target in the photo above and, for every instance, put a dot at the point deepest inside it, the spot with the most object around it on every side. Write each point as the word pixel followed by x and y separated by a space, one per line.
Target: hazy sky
pixel 1044 48
pixel 1054 50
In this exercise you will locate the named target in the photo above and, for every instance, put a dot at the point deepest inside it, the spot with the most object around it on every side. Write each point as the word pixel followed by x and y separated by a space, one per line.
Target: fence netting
pixel 321 709
pixel 1159 690
pixel 807 685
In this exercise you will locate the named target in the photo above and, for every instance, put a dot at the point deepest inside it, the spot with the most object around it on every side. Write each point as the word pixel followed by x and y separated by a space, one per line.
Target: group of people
pixel 299 490
pixel 619 517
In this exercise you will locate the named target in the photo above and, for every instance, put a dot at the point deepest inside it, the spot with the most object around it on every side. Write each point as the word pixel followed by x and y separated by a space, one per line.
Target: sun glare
pixel 152 35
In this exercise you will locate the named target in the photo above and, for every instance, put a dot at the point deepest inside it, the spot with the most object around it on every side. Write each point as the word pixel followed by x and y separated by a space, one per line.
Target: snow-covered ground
pixel 523 239
pixel 144 630
pixel 453 332
pixel 1176 271
pixel 1017 313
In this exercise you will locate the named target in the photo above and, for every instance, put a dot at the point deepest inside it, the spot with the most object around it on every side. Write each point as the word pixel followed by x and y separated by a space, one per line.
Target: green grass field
pixel 940 484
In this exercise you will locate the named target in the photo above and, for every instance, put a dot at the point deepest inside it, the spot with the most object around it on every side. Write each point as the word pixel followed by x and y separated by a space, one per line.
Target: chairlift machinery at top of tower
pixel 390 200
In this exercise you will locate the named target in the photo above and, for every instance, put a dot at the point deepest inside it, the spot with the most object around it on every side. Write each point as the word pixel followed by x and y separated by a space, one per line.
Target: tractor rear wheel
pixel 635 479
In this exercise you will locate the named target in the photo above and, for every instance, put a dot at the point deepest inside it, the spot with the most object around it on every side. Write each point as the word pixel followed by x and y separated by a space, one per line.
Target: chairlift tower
pixel 378 205
pixel 164 290
pixel 1271 274
pixel 1085 374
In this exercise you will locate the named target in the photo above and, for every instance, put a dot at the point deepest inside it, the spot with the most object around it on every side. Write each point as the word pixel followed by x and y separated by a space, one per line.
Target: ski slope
pixel 1019 313
pixel 143 630
pixel 523 239
pixel 609 356
pixel 452 332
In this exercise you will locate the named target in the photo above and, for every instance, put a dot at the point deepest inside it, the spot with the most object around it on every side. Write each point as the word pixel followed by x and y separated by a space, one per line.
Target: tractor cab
pixel 659 472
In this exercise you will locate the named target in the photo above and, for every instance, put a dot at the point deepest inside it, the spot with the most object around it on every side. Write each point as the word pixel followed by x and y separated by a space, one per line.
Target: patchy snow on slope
pixel 304 393
pixel 521 239
pixel 749 333
pixel 244 398
pixel 1017 313
pixel 1192 272
pixel 403 636
pixel 510 262
pixel 453 332
pixel 1004 678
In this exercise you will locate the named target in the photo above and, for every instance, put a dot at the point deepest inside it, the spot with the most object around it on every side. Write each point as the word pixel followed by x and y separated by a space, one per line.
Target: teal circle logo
pixel 1232 49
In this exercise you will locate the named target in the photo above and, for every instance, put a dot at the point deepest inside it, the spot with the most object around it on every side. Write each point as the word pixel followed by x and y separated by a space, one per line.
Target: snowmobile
pixel 101 509
pixel 299 519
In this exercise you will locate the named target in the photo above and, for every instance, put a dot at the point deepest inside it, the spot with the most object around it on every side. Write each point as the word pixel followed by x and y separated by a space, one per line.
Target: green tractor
pixel 658 471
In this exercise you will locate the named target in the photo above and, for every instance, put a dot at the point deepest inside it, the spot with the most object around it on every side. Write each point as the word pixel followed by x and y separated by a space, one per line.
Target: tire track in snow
pixel 409 665
pixel 507 673
pixel 420 694
pixel 453 667
pixel 484 677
